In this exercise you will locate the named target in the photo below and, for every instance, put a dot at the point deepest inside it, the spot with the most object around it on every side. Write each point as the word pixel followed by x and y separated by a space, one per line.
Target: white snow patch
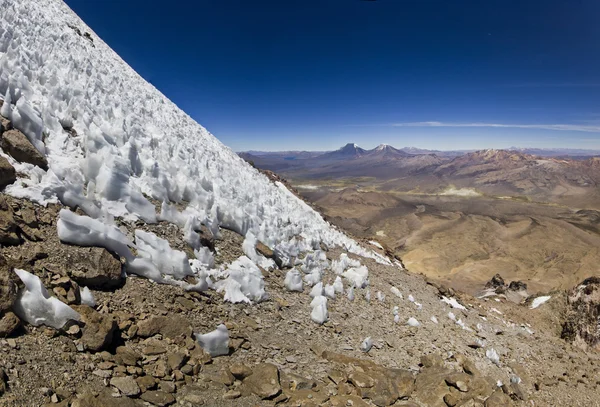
pixel 366 345
pixel 87 298
pixel 293 280
pixel 215 343
pixel 492 355
pixel 376 244
pixel 413 322
pixel 396 292
pixel 539 301
pixel 453 303
pixel 35 306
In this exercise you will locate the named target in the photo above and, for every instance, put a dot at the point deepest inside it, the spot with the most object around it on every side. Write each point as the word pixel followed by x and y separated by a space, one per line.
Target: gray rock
pixel 94 267
pixel 126 385
pixel 170 327
pixel 99 328
pixel 20 148
pixel 158 398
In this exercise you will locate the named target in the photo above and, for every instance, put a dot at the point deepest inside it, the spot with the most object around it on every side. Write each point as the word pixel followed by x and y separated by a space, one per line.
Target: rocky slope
pixel 142 263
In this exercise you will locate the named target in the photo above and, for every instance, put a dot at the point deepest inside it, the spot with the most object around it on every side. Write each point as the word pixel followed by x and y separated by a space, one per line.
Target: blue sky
pixel 316 74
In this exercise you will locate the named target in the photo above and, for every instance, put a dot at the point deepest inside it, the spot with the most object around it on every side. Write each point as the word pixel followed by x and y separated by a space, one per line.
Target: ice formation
pixel 37 307
pixel 293 280
pixel 492 355
pixel 85 231
pixel 319 312
pixel 338 285
pixel 453 303
pixel 215 343
pixel 434 319
pixel 317 290
pixel 366 345
pixel 357 276
pixel 396 292
pixel 243 282
pixel 130 143
pixel 413 322
pixel 87 298
pixel 350 293
pixel 171 262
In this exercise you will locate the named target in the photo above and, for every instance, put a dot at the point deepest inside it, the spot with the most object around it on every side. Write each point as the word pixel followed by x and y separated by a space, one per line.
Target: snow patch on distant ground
pixel 539 301
pixel 376 244
pixel 466 192
pixel 453 303
pixel 307 186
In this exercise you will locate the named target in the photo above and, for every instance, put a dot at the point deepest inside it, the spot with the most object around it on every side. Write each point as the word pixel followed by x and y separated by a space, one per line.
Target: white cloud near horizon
pixel 555 127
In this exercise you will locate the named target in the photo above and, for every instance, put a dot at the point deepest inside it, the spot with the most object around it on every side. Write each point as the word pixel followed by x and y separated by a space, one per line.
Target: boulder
pixel 9 323
pixel 495 282
pixel 93 267
pixel 99 328
pixel 264 381
pixel 20 148
pixel 8 175
pixel 170 327
pixel 517 286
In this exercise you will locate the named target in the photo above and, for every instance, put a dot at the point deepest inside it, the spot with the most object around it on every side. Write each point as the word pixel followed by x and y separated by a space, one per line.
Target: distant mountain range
pixel 546 174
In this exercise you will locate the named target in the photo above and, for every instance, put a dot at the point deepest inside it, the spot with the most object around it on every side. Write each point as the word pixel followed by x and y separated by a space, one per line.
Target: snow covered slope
pixel 130 142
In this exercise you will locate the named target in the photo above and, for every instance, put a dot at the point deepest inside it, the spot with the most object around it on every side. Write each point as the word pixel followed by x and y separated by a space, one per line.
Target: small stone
pixel 158 398
pixel 176 360
pixel 126 385
pixel 240 371
pixel 232 395
pixel 146 383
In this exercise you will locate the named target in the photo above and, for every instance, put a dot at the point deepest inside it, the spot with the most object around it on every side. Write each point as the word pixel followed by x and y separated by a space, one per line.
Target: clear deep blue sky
pixel 315 74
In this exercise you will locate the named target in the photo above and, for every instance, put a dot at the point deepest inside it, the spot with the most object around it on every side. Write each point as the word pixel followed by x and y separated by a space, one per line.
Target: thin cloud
pixel 555 127
pixel 552 85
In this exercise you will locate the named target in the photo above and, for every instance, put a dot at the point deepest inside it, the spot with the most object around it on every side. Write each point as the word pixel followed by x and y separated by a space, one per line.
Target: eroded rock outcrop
pixel 582 320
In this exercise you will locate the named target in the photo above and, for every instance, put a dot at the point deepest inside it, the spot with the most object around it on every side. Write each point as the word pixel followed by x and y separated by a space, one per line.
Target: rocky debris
pixel 264 381
pixel 104 399
pixel 20 148
pixel 8 175
pixel 8 224
pixel 170 327
pixel 9 322
pixel 99 328
pixel 515 291
pixel 581 324
pixel 8 286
